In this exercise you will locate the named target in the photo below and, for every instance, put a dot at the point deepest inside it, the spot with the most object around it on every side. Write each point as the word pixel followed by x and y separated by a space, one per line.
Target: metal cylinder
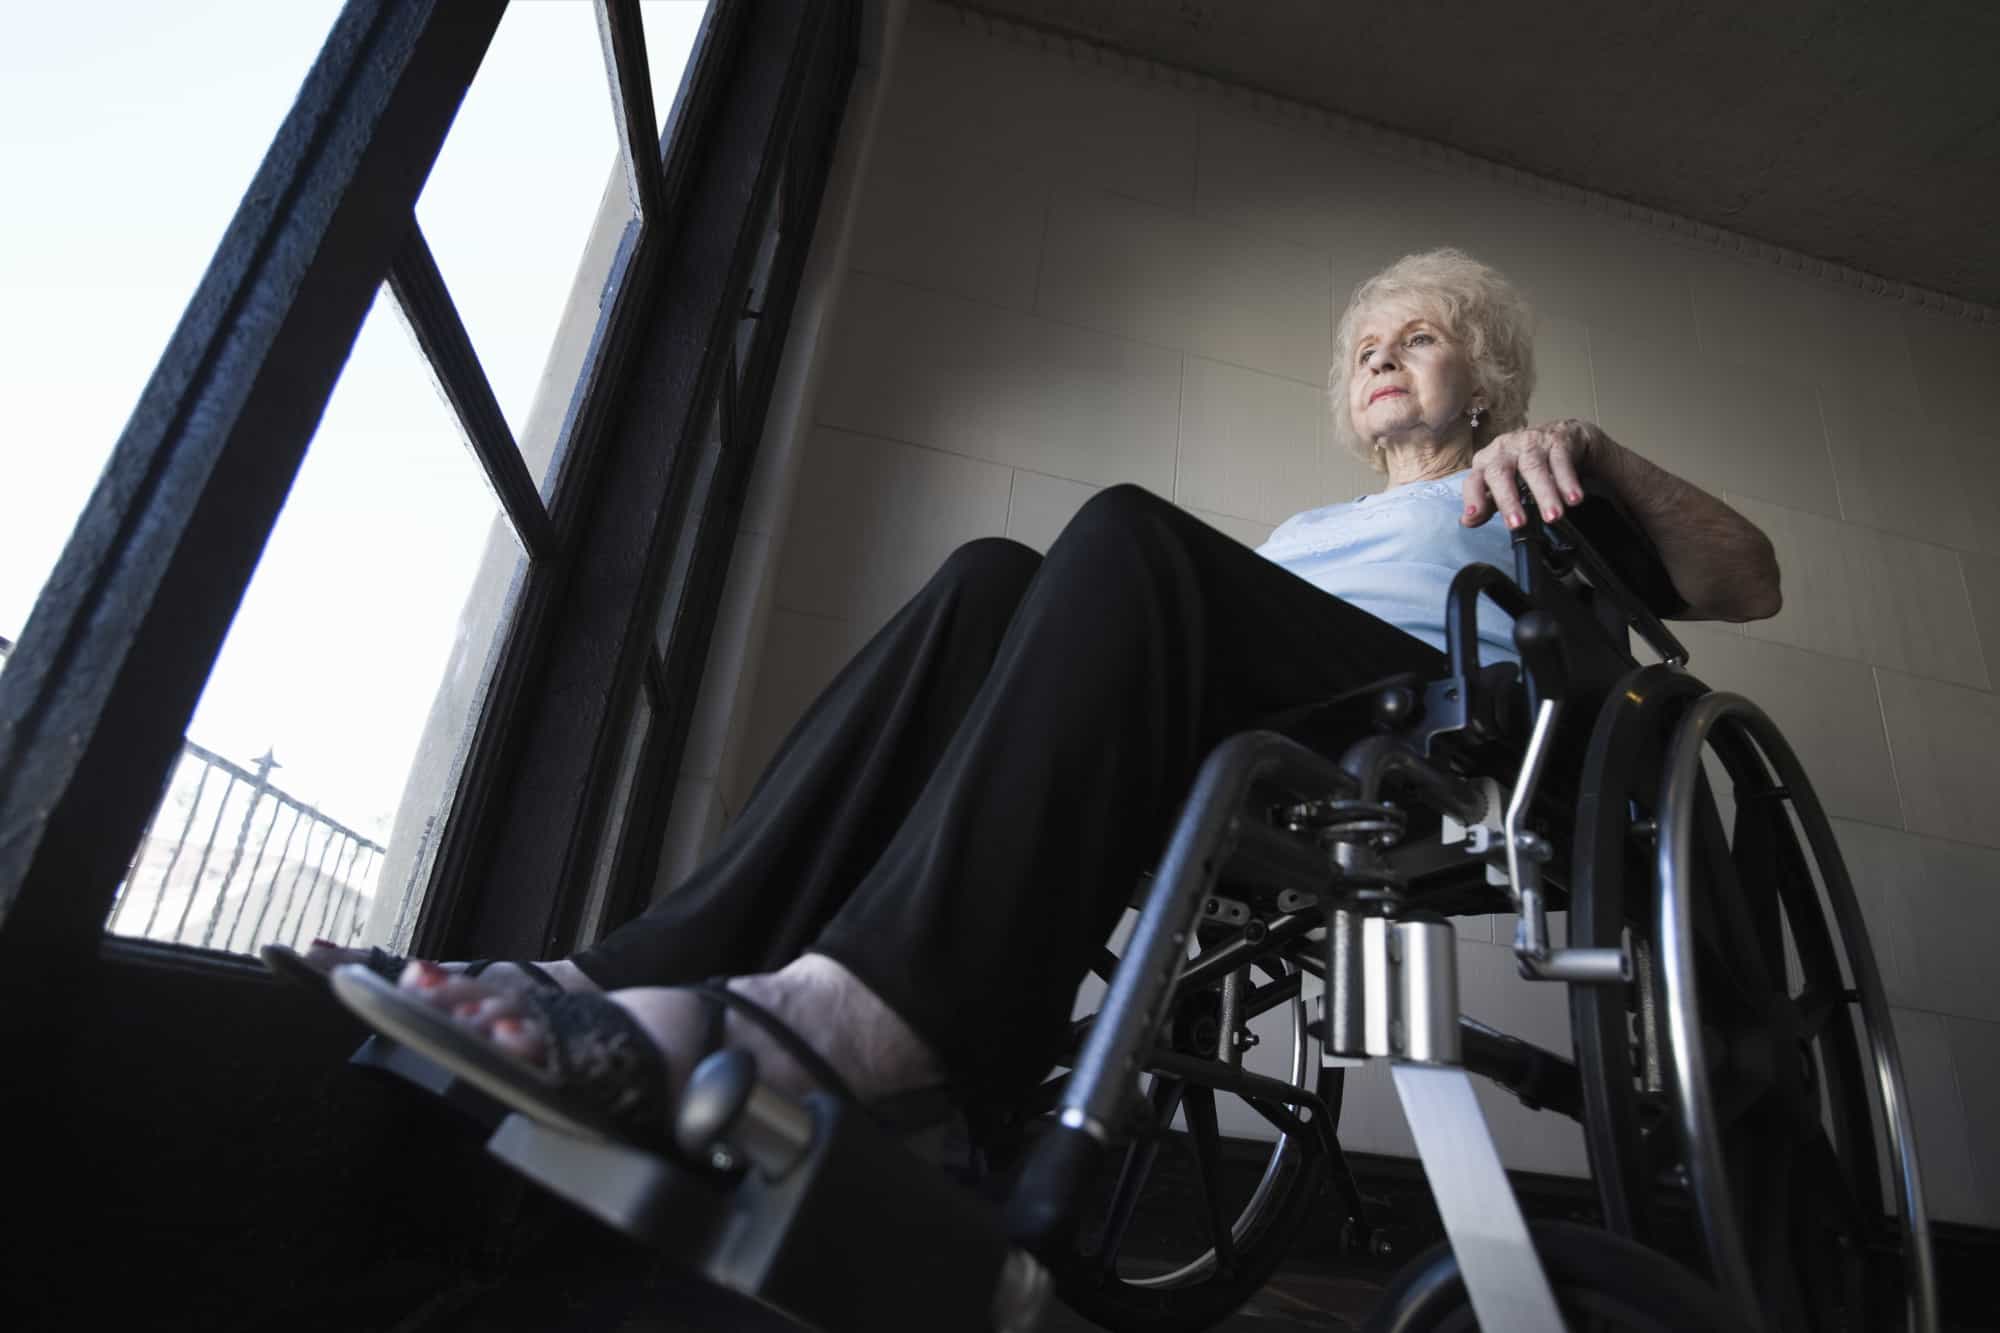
pixel 1427 992
pixel 726 1107
pixel 1379 960
pixel 1344 997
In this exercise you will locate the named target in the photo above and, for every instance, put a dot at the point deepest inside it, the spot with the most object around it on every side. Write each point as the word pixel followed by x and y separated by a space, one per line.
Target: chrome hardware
pixel 727 1115
pixel 1525 853
pixel 1230 1043
pixel 1379 822
pixel 1224 911
pixel 1021 1293
pixel 1073 1117
pixel 1291 900
pixel 1411 975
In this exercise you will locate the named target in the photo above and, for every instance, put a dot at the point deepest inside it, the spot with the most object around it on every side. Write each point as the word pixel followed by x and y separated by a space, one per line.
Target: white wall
pixel 1070 269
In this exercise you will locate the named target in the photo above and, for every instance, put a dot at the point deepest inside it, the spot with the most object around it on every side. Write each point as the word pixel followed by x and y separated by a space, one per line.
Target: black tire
pixel 1791 1095
pixel 1115 1302
pixel 1602 1282
pixel 1196 1291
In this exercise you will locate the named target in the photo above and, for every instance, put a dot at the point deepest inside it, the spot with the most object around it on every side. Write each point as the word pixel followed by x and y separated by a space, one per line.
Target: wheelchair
pixel 1734 1068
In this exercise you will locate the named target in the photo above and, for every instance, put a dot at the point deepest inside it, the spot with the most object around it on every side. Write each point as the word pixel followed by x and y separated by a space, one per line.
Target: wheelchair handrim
pixel 1687 1043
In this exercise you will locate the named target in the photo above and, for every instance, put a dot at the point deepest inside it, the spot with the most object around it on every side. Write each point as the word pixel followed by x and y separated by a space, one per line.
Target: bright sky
pixel 128 131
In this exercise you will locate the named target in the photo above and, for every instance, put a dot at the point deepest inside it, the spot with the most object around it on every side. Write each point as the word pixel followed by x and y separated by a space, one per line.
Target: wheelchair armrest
pixel 1612 552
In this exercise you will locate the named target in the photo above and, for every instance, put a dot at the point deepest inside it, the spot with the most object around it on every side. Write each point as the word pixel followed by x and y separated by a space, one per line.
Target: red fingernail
pixel 1513 520
pixel 328 943
pixel 508 1027
pixel 429 975
pixel 1576 497
pixel 465 1009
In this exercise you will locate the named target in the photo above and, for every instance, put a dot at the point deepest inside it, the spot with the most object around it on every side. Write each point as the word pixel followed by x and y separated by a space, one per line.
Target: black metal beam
pixel 546 828
pixel 624 38
pixel 693 596
pixel 115 654
pixel 479 804
pixel 433 318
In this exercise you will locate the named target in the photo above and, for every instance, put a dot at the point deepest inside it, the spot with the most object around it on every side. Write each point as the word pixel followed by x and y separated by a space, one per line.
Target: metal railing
pixel 329 884
pixel 184 888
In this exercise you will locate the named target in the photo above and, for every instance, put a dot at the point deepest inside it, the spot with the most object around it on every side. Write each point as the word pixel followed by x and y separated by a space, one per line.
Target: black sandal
pixel 601 1075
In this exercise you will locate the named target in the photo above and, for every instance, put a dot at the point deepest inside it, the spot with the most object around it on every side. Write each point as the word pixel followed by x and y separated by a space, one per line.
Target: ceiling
pixel 1863 133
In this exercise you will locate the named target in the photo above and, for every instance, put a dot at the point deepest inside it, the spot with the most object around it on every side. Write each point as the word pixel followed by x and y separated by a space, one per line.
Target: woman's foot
pixel 326 955
pixel 865 1041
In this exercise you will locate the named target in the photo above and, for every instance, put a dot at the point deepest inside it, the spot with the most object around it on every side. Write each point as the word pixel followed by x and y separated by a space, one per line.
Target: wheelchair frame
pixel 1333 884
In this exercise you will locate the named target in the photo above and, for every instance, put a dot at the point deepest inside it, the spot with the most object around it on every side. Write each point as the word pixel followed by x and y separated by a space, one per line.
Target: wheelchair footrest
pixel 643 1195
pixel 857 1236
pixel 383 1056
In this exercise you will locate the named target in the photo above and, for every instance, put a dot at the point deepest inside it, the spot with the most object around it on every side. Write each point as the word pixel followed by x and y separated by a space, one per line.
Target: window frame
pixel 113 659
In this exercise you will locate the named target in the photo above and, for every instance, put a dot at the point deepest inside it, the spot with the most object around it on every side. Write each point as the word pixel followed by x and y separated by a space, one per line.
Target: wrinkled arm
pixel 1722 564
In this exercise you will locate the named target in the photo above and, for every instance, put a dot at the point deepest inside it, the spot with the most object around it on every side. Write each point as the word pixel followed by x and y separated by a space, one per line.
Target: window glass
pixel 524 210
pixel 671 27
pixel 128 132
pixel 328 741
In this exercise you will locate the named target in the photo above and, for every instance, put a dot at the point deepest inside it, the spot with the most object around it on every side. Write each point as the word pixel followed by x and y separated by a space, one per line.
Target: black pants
pixel 961 817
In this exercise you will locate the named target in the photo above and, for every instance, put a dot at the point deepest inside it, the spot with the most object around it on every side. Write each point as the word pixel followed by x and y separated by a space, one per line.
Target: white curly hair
pixel 1478 307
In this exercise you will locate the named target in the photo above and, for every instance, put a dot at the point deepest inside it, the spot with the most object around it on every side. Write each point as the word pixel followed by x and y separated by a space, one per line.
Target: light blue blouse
pixel 1394 554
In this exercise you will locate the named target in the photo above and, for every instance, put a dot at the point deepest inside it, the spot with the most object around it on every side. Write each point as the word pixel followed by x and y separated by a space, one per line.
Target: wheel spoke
pixel 1280 1117
pixel 1815 1005
pixel 1754 852
pixel 1268 997
pixel 1769 1231
pixel 1165 1098
pixel 1200 1106
pixel 1734 1098
pixel 1832 1178
pixel 1724 915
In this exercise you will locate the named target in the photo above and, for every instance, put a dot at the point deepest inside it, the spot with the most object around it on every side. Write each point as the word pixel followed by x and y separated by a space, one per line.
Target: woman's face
pixel 1410 381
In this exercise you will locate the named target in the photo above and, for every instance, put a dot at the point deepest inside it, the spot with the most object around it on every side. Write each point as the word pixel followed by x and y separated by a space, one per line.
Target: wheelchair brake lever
pixel 1538 637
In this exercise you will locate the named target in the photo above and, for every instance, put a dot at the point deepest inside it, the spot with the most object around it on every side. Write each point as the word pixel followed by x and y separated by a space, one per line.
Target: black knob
pixel 717 1092
pixel 1539 639
pixel 1395 706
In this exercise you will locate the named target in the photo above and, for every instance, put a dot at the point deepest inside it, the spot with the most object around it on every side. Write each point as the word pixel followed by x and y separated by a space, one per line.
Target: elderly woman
pixel 935 854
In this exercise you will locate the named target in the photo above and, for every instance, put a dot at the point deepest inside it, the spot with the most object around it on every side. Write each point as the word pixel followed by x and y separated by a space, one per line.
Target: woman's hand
pixel 1722 566
pixel 1551 461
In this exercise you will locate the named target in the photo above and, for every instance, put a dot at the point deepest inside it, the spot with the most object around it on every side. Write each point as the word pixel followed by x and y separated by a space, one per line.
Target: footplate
pixel 383 1056
pixel 829 1241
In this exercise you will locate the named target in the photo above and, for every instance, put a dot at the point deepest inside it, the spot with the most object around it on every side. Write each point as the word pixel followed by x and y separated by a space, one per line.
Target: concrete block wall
pixel 1069 269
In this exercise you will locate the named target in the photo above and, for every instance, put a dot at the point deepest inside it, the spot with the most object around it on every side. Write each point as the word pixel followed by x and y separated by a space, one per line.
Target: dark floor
pixel 1297 1299
pixel 1293 1300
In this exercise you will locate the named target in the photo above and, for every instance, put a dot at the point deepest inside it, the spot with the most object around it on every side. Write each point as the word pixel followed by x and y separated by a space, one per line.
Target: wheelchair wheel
pixel 1128 1285
pixel 1602 1282
pixel 1733 1064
